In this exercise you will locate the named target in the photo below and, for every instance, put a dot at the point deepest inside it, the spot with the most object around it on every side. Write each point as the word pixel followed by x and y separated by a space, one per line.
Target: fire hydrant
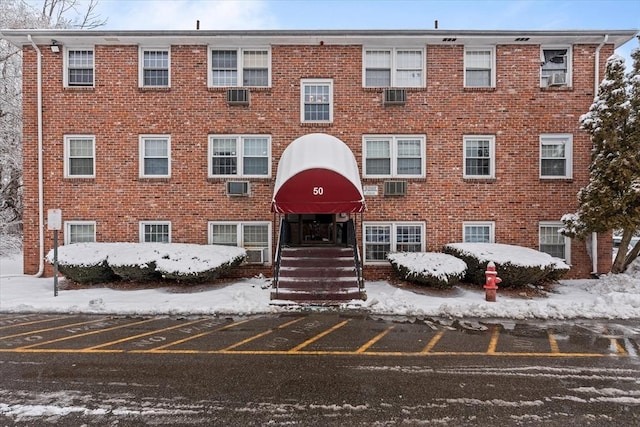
pixel 491 286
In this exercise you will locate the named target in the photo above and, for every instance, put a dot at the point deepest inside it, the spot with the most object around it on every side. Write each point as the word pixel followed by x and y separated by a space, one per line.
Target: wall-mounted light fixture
pixel 55 47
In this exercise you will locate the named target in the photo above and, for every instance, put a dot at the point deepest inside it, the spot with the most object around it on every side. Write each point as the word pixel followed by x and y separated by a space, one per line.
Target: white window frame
pixel 568 153
pixel 141 69
pixel 66 66
pixel 393 139
pixel 142 155
pixel 67 154
pixel 567 240
pixel 240 234
pixel 569 63
pixel 393 83
pixel 492 49
pixel 142 225
pixel 239 155
pixel 69 224
pixel 316 82
pixel 490 224
pixel 492 156
pixel 393 225
pixel 240 64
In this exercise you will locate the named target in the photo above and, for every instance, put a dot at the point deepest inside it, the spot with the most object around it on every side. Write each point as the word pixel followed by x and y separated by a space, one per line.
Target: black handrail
pixel 352 240
pixel 276 264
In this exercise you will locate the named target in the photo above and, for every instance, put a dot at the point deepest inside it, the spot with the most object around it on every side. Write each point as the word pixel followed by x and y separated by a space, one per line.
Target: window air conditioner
pixel 395 188
pixel 238 96
pixel 394 97
pixel 256 255
pixel 557 79
pixel 237 188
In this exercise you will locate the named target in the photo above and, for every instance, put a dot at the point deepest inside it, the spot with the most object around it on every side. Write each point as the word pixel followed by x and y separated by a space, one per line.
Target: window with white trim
pixel 316 101
pixel 240 156
pixel 155 232
pixel 394 156
pixel 155 156
pixel 253 236
pixel 399 67
pixel 555 66
pixel 383 238
pixel 479 67
pixel 479 156
pixel 79 68
pixel 79 232
pixel 478 232
pixel 155 67
pixel 79 156
pixel 556 151
pixel 552 242
pixel 247 67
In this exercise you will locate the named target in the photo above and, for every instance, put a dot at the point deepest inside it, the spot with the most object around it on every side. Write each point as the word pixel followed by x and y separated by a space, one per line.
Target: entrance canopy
pixel 317 173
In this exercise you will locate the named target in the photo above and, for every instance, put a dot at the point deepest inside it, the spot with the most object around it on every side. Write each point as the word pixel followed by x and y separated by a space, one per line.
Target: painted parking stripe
pixel 318 336
pixel 39 331
pixel 33 322
pixel 162 348
pixel 494 341
pixel 553 343
pixel 260 335
pixel 374 340
pixel 432 343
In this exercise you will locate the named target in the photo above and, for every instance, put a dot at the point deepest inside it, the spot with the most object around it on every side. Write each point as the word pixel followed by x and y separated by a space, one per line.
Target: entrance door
pixel 311 229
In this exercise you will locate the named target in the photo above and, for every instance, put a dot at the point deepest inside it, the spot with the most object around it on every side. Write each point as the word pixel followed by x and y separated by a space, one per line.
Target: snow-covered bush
pixel 428 268
pixel 516 265
pixel 103 262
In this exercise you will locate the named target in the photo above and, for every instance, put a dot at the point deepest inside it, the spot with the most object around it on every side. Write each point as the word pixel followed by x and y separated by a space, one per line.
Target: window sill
pixel 556 89
pixel 216 179
pixel 79 88
pixel 556 180
pixel 480 180
pixel 154 179
pixel 316 124
pixel 479 89
pixel 74 179
pixel 382 89
pixel 154 89
pixel 249 88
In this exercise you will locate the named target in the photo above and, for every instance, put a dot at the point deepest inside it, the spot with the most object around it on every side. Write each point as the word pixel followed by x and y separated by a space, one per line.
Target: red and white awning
pixel 317 173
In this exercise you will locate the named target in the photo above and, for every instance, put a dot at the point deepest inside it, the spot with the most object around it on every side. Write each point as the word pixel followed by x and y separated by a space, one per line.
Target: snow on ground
pixel 611 297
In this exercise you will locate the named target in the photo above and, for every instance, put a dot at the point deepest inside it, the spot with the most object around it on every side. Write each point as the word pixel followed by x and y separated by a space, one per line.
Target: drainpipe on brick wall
pixel 596 84
pixel 40 161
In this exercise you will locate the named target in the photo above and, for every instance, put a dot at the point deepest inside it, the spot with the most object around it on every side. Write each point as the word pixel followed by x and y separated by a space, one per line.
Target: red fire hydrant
pixel 491 286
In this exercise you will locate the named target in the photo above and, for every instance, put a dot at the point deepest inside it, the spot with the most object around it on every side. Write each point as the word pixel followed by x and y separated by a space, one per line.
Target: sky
pixel 373 14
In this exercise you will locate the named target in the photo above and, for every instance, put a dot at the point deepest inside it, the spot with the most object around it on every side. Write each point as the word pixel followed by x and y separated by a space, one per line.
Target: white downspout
pixel 40 161
pixel 596 84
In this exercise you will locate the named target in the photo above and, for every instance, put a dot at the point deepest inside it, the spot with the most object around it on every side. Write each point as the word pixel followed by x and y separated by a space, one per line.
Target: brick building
pixel 177 136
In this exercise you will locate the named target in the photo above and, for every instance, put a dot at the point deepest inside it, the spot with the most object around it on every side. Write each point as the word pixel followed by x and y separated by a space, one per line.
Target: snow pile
pixel 508 254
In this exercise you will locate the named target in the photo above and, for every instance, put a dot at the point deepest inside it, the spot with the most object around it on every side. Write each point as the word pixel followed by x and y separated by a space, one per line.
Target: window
pixel 479 67
pixel 555 156
pixel 155 232
pixel 155 156
pixel 394 156
pixel 382 238
pixel 154 67
pixel 316 101
pixel 79 232
pixel 255 237
pixel 394 68
pixel 478 232
pixel 79 68
pixel 79 156
pixel 240 67
pixel 555 68
pixel 239 155
pixel 554 243
pixel 479 156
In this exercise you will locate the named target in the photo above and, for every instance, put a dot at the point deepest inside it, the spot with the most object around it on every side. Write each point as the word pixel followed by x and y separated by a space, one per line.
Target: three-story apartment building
pixel 422 137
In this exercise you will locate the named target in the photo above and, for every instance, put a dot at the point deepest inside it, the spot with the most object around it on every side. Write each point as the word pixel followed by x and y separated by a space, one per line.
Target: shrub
pixel 428 268
pixel 516 265
pixel 83 264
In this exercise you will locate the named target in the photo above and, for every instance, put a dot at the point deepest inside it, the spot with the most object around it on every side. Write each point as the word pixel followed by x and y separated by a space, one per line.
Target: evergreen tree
pixel 611 200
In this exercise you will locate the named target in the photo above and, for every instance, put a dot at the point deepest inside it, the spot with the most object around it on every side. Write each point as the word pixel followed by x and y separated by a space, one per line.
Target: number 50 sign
pixel 318 191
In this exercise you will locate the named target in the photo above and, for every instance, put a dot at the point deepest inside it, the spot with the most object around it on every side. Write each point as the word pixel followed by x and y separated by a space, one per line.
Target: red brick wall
pixel 517 111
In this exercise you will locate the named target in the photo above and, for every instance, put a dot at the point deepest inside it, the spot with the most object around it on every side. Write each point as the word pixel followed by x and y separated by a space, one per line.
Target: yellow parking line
pixel 494 341
pixel 619 348
pixel 433 342
pixel 553 343
pixel 317 337
pixel 260 335
pixel 141 335
pixel 84 334
pixel 189 338
pixel 51 329
pixel 374 340
pixel 33 322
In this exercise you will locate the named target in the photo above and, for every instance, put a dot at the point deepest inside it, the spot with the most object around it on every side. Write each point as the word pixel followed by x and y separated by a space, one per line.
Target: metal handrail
pixel 278 255
pixel 352 240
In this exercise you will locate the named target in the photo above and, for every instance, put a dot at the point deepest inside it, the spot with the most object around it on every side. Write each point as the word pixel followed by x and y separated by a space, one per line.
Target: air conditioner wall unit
pixel 557 79
pixel 395 188
pixel 257 255
pixel 394 97
pixel 237 188
pixel 238 96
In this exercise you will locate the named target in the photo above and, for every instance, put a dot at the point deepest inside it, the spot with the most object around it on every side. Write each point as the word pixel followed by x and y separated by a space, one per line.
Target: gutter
pixel 40 163
pixel 596 84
